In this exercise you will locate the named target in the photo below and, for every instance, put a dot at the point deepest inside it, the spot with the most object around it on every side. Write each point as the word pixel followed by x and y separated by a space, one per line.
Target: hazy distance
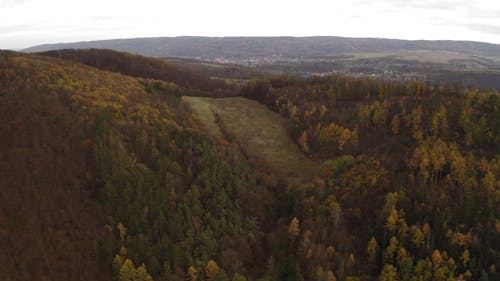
pixel 24 23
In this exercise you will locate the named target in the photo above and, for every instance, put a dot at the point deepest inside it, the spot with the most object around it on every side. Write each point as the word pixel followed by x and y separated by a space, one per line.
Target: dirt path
pixel 261 133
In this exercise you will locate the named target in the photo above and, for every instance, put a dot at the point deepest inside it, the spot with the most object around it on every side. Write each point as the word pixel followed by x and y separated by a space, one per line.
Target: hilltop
pixel 144 67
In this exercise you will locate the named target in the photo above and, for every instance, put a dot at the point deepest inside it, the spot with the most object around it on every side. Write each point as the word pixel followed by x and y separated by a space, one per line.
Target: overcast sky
pixel 25 23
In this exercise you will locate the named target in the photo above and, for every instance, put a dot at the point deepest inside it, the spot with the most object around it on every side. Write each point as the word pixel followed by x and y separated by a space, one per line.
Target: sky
pixel 25 23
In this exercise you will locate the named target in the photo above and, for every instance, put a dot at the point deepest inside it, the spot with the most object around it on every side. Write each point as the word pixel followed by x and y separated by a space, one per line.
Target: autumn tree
pixel 416 124
pixel 372 249
pixel 389 273
pixel 122 230
pixel 128 272
pixel 418 237
pixel 211 270
pixel 238 277
pixel 192 273
pixel 380 114
pixel 395 125
pixel 294 227
pixel 343 138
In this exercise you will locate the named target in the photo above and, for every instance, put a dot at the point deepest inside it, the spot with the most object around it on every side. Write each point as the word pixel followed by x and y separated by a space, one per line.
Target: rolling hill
pixel 144 67
pixel 246 47
pixel 466 63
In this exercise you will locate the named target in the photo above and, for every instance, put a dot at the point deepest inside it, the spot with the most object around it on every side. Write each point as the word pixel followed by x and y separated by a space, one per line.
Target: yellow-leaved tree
pixel 128 272
pixel 211 270
pixel 389 273
pixel 372 249
pixel 192 273
pixel 294 227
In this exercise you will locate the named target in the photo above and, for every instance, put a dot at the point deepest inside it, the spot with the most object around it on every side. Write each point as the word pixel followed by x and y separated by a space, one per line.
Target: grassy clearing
pixel 204 111
pixel 261 133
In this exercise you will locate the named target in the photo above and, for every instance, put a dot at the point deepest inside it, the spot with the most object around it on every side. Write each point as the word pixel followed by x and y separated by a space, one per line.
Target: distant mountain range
pixel 457 62
pixel 210 48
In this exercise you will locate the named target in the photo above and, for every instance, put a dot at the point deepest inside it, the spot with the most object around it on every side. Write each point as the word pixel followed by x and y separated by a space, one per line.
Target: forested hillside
pixel 144 67
pixel 111 177
pixel 102 176
pixel 414 170
pixel 49 215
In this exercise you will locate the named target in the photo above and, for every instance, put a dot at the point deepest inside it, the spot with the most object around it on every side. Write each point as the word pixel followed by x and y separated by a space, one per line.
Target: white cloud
pixel 29 22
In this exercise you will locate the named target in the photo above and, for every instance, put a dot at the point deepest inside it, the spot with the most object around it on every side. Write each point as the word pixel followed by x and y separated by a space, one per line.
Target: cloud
pixel 15 28
pixel 484 28
pixel 63 20
pixel 430 4
pixel 12 3
pixel 482 13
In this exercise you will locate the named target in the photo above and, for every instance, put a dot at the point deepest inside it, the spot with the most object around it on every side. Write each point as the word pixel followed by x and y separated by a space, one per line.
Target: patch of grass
pixel 203 109
pixel 261 133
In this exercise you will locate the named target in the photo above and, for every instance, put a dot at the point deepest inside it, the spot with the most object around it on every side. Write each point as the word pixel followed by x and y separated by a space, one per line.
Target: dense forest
pixel 106 176
pixel 144 67
pixel 411 170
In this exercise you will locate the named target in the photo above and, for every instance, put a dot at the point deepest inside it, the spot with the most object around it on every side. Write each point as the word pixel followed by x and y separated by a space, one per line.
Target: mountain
pixel 246 47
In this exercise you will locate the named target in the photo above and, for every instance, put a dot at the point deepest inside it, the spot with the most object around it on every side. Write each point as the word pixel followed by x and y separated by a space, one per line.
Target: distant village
pixel 308 65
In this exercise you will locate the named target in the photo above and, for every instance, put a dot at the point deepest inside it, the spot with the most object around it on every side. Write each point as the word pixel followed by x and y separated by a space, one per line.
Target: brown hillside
pixel 49 217
pixel 144 67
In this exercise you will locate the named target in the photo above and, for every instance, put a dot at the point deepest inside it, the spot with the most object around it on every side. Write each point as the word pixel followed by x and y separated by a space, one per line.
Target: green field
pixel 261 133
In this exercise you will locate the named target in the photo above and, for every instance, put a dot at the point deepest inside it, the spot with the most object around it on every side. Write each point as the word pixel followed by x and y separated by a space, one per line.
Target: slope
pixel 411 164
pixel 58 216
pixel 143 67
pixel 102 175
pixel 50 218
pixel 261 133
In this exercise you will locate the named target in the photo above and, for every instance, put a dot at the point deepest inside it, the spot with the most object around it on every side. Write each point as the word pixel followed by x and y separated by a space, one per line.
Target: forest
pixel 104 167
